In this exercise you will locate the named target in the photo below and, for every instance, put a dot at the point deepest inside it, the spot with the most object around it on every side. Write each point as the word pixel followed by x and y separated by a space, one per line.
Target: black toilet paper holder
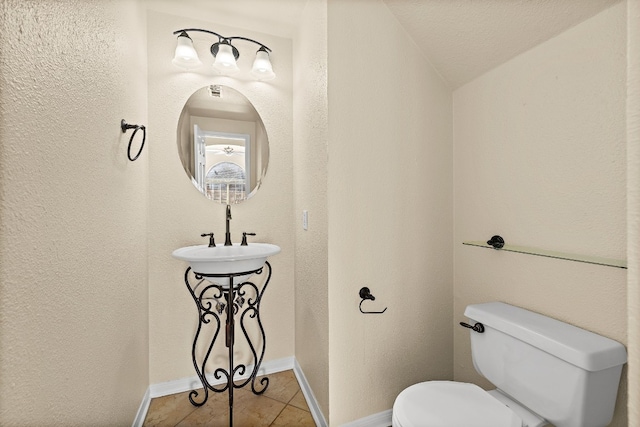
pixel 365 294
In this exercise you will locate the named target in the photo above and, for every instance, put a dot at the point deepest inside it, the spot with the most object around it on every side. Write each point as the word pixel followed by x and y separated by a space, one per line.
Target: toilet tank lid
pixel 574 345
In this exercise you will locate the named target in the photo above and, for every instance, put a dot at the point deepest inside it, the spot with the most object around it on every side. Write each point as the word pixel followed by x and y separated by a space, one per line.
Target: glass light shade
pixel 225 62
pixel 262 69
pixel 186 56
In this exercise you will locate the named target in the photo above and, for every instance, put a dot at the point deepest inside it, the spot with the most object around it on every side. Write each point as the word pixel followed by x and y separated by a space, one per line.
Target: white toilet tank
pixel 565 374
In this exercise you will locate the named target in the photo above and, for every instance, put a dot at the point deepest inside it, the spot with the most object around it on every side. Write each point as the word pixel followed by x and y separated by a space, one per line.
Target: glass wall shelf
pixel 609 262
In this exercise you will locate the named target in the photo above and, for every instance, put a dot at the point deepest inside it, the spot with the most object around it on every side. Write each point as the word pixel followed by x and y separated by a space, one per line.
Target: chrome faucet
pixel 227 236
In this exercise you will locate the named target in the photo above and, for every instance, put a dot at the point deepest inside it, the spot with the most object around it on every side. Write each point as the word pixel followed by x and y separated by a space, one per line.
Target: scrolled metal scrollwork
pixel 212 300
pixel 194 393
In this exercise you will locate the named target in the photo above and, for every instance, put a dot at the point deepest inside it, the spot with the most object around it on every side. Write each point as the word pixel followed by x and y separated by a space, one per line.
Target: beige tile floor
pixel 282 404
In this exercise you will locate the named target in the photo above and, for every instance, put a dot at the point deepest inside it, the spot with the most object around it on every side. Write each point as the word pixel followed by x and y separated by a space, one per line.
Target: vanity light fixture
pixel 225 54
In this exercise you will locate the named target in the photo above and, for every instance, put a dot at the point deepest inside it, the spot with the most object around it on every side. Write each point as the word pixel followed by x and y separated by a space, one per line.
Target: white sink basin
pixel 226 259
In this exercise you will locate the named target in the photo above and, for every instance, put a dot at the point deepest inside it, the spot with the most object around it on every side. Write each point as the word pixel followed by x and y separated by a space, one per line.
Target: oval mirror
pixel 223 144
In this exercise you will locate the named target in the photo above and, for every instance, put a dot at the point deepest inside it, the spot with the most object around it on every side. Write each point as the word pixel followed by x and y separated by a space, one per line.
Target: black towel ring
pixel 125 126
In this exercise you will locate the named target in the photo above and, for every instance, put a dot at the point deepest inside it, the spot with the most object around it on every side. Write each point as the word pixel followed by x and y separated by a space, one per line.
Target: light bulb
pixel 225 62
pixel 262 69
pixel 186 56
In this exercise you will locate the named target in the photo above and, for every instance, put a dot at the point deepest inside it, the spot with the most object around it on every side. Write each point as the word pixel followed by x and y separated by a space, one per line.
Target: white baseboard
pixel 381 419
pixel 312 403
pixel 187 384
pixel 190 383
pixel 138 421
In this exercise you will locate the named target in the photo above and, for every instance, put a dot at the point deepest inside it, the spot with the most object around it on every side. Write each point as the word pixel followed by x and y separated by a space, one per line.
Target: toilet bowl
pixel 456 404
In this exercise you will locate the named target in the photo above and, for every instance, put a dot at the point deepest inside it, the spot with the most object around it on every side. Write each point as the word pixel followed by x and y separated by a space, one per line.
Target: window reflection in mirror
pixel 223 144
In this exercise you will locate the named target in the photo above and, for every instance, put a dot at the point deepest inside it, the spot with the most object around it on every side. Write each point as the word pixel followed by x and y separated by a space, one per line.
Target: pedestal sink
pixel 235 259
pixel 220 265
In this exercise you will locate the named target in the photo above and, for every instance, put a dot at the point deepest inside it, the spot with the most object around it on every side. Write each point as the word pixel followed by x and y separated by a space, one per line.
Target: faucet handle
pixel 244 238
pixel 212 243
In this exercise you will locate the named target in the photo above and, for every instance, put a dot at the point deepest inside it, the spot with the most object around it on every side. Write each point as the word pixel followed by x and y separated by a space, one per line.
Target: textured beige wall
pixel 178 213
pixel 539 150
pixel 73 209
pixel 390 219
pixel 71 70
pixel 310 193
pixel 633 205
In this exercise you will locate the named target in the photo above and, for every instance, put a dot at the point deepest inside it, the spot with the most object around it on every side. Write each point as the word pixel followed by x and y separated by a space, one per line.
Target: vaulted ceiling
pixel 466 38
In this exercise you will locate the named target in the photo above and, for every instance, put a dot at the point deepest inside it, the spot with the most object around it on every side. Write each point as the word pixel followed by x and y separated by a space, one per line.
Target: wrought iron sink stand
pixel 211 301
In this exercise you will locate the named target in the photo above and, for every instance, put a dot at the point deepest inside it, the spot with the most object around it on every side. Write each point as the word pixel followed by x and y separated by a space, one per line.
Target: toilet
pixel 545 372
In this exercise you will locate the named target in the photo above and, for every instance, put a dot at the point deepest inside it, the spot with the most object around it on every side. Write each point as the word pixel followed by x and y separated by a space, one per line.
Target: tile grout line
pixel 195 408
pixel 279 413
pixel 185 417
pixel 305 402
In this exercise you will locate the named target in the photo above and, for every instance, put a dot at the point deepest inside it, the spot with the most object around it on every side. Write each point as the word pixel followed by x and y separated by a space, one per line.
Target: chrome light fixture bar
pixel 225 54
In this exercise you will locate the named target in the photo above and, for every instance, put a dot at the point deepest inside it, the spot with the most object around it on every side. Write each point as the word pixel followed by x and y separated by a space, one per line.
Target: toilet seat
pixel 450 404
